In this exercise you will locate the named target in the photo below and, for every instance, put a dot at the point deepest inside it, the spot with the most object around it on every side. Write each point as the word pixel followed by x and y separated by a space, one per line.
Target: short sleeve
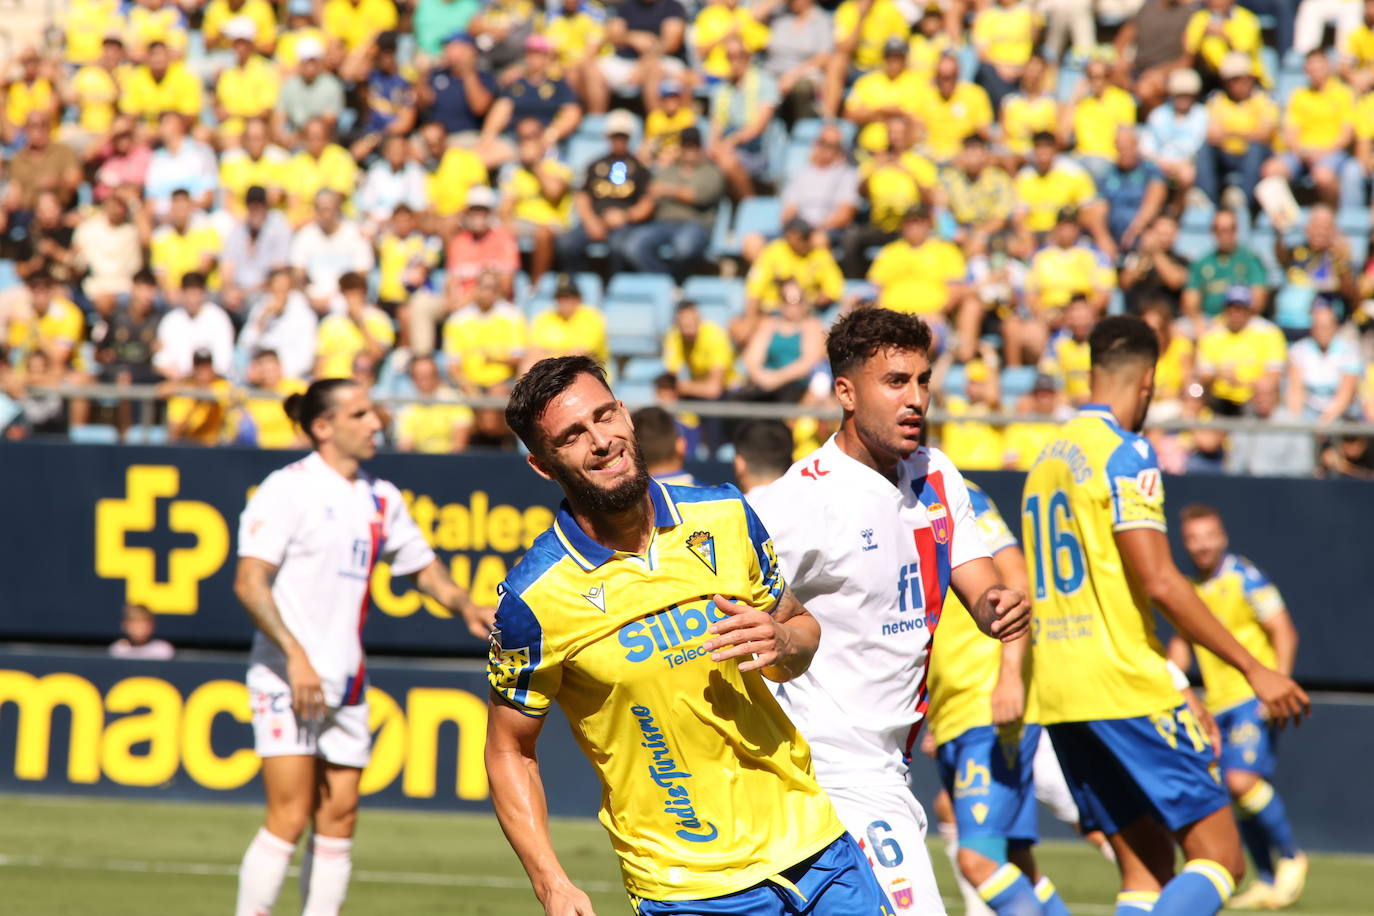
pixel 997 537
pixel 406 548
pixel 1262 595
pixel 967 543
pixel 269 521
pixel 519 666
pixel 1136 487
pixel 766 576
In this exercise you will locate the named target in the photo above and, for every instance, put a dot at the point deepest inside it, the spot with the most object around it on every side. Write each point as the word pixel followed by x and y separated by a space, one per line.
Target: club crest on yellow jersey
pixel 703 547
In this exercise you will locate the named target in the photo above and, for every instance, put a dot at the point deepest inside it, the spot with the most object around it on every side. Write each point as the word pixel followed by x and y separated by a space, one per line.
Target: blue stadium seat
pixel 534 304
pixel 632 328
pixel 1359 249
pixel 1194 243
pixel 144 435
pixel 654 292
pixel 588 284
pixel 584 150
pixel 805 131
pixel 757 214
pixel 1262 244
pixel 1069 77
pixel 93 434
pixel 720 234
pixel 635 394
pixel 1017 381
pixel 1198 218
pixel 956 381
pixel 716 291
pixel 641 369
pixel 1354 221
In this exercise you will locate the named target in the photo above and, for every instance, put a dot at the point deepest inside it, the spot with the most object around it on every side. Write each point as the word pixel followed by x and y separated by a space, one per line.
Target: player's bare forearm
pixel 782 650
pixel 788 607
pixel 803 637
pixel 253 587
pixel 1009 693
pixel 1180 652
pixel 1283 636
pixel 517 795
pixel 434 580
pixel 1000 612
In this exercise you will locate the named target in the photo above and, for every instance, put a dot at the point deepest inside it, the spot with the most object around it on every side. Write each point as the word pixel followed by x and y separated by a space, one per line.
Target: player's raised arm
pixel 1000 612
pixel 782 643
pixel 517 794
pixel 1145 551
pixel 434 580
pixel 253 586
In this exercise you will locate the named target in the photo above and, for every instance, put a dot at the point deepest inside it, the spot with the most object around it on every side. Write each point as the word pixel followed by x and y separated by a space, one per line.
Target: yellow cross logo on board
pixel 187 567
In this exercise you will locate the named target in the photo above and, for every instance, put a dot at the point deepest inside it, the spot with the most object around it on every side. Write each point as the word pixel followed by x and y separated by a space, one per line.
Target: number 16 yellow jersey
pixel 1095 653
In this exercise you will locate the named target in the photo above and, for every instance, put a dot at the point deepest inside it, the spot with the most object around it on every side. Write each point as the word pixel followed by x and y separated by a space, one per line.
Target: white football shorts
pixel 341 737
pixel 890 825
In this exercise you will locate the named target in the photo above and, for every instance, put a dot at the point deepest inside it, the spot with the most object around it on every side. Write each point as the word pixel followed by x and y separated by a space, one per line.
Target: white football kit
pixel 325 534
pixel 871 561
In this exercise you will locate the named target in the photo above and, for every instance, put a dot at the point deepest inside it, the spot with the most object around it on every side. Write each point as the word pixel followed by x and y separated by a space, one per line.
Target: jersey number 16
pixel 1055 545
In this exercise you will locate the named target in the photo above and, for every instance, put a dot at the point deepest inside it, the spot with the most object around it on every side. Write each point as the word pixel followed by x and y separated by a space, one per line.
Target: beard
pixel 609 500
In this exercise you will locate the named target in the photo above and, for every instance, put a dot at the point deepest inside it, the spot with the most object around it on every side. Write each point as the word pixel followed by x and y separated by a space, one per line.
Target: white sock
pixel 262 872
pixel 324 875
pixel 973 904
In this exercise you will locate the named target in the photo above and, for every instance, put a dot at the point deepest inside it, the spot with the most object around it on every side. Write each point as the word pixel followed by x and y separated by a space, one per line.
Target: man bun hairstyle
pixel 319 399
pixel 864 332
pixel 1119 340
pixel 545 380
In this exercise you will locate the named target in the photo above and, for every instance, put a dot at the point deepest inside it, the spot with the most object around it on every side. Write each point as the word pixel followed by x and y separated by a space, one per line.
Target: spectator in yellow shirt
pixel 250 87
pixel 1050 184
pixel 1219 29
pixel 664 124
pixel 156 21
pixel 321 166
pixel 186 243
pixel 1025 439
pixel 1357 54
pixel 437 428
pixel 1241 121
pixel 579 38
pixel 1318 126
pixel 1066 268
pixel 698 354
pixel 973 445
pixel 536 196
pixel 1238 351
pixel 353 23
pixel 88 23
pixel 570 328
pixel 888 92
pixel 1098 111
pixel 406 257
pixel 1031 110
pixel 32 91
pixel 360 330
pixel 792 257
pixel 94 90
pixel 1004 35
pixel 256 163
pixel 218 13
pixel 260 420
pixel 951 109
pixel 485 340
pixel 893 181
pixel 720 20
pixel 192 419
pixel 1068 358
pixel 920 272
pixel 55 327
pixel 161 85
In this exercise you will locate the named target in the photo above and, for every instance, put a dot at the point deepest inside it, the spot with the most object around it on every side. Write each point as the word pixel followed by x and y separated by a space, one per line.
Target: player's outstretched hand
pixel 480 620
pixel 1011 613
pixel 747 631
pixel 307 693
pixel 1205 720
pixel 1283 699
pixel 568 901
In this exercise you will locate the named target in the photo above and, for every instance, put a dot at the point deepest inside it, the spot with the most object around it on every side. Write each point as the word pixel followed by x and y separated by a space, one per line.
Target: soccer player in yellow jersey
pixel 984 723
pixel 620 613
pixel 1133 753
pixel 1249 605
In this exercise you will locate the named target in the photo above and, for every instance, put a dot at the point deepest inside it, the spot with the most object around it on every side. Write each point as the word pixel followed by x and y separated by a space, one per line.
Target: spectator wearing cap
pixel 1318 127
pixel 1241 120
pixel 219 13
pixel 977 192
pixel 1237 352
pixel 741 107
pixel 792 257
pixel 181 163
pixel 455 95
pixel 1175 133
pixel 395 178
pixel 1317 272
pixel 435 20
pixel 388 98
pixel 319 165
pixel 352 24
pixel 187 242
pixel 436 428
pixel 1004 36
pixel 485 340
pixel 570 328
pixel 161 85
pixel 687 193
pixel 41 164
pixel 250 87
pixel 95 89
pixel 106 248
pixel 481 246
pixel 309 93
pixel 920 273
pixel 536 195
pixel 1133 188
pixel 1051 183
pixel 282 320
pixel 1025 439
pixel 254 246
pixel 720 20
pixel 663 126
pixel 355 331
pixel 193 325
pixel 890 91
pixel 1029 110
pixel 799 49
pixel 824 192
pixel 1068 266
pixel 1149 46
pixel 951 109
pixel 1220 28
pixel 535 94
pixel 255 163
pixel 325 249
pixel 646 38
pixel 612 198
pixel 1098 110
pixel 1228 265
pixel 192 418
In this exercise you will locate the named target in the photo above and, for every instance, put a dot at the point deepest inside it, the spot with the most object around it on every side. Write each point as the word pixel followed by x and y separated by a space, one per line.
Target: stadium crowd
pixel 238 197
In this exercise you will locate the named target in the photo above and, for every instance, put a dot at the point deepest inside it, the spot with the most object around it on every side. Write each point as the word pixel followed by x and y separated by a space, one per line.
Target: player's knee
pixel 979 857
pixel 288 821
pixel 333 820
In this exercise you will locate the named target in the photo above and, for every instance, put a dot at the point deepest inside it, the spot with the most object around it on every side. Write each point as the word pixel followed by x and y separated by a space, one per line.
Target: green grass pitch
pixel 62 855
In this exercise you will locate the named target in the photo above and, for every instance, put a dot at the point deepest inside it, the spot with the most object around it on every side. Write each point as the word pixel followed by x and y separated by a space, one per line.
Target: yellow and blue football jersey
pixel 707 788
pixel 1242 598
pixel 965 663
pixel 1095 651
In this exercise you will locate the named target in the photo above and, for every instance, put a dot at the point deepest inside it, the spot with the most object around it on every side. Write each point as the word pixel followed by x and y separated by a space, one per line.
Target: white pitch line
pixel 370 876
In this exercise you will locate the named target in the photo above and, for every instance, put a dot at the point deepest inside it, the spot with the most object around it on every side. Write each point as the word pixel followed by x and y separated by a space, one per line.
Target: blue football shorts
pixel 1247 740
pixel 837 881
pixel 1120 770
pixel 989 773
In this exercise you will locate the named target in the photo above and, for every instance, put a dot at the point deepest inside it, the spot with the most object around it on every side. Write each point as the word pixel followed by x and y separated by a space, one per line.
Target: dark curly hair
pixel 1121 339
pixel 546 380
pixel 864 332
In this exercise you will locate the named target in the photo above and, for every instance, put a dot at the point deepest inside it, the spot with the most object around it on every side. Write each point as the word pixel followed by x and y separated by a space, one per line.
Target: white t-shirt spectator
pixel 326 258
pixel 158 650
pixel 291 334
pixel 180 334
pixel 384 188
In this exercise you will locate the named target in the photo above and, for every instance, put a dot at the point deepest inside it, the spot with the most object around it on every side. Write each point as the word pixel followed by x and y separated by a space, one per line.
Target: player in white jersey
pixel 873 528
pixel 308 542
